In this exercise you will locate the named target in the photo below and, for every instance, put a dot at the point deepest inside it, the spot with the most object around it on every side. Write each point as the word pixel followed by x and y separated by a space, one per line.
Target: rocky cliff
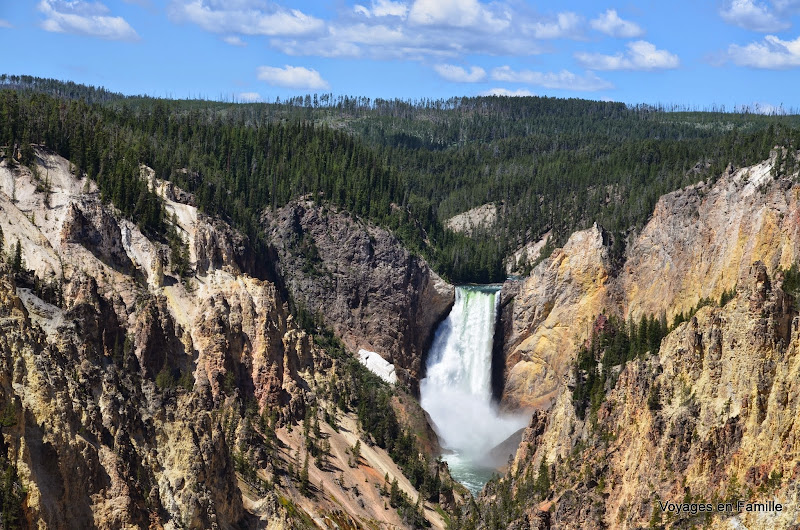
pixel 697 244
pixel 708 420
pixel 360 281
pixel 545 316
pixel 133 397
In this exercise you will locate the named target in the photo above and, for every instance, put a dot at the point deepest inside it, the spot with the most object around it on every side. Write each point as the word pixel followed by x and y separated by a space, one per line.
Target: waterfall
pixel 457 390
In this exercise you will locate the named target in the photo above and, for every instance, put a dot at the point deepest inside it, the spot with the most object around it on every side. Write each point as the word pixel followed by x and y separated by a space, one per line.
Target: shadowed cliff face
pixel 698 243
pixel 361 282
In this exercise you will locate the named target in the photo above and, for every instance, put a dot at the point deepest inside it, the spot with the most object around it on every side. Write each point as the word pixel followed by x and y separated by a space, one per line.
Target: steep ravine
pixel 134 398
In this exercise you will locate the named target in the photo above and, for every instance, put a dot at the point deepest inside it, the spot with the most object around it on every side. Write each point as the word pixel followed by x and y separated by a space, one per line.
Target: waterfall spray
pixel 457 392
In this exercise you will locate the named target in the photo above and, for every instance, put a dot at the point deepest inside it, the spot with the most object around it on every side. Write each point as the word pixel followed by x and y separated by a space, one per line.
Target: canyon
pixel 137 396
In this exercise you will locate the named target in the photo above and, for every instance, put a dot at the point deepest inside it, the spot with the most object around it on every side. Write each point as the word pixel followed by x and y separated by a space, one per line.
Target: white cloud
pixel 786 6
pixel 556 80
pixel 246 17
pixel 234 40
pixel 610 24
pixel 771 53
pixel 522 92
pixel 321 47
pixel 5 24
pixel 641 55
pixel 84 18
pixel 383 8
pixel 394 39
pixel 442 30
pixel 250 97
pixel 566 25
pixel 357 40
pixel 753 15
pixel 292 77
pixel 458 74
pixel 364 34
pixel 457 13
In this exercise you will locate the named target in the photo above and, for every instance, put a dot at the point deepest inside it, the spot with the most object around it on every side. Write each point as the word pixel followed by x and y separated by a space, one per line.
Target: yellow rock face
pixel 554 309
pixel 711 418
pixel 700 242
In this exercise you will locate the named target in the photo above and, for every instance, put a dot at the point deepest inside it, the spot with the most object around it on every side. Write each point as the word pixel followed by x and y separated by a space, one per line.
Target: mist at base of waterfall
pixel 457 392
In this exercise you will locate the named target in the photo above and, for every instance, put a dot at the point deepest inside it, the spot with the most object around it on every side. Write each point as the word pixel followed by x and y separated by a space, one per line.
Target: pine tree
pixel 542 485
pixel 642 336
pixel 633 344
pixel 13 496
pixel 16 259
pixel 394 494
pixel 304 477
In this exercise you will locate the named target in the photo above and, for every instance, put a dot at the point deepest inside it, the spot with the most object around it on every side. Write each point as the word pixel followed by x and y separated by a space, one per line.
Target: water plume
pixel 457 391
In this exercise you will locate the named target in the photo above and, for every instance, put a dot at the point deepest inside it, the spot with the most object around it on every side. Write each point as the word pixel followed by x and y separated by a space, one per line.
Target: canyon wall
pixel 359 280
pixel 133 397
pixel 710 417
pixel 697 244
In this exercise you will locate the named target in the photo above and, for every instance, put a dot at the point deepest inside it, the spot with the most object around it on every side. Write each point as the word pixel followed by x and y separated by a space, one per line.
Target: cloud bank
pixel 84 18
pixel 244 17
pixel 641 55
pixel 292 77
pixel 556 80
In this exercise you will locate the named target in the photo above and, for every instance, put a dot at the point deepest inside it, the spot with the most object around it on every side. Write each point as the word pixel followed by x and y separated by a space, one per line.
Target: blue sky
pixel 696 53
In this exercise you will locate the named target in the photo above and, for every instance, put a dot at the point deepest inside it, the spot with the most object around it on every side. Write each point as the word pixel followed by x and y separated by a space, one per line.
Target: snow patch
pixel 378 365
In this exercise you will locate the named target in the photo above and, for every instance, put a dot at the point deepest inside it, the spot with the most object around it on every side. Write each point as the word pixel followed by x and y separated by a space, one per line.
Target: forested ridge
pixel 553 164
